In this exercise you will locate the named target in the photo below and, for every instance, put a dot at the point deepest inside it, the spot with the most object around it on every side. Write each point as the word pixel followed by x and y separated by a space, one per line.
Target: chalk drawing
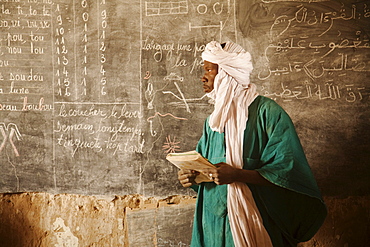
pixel 183 97
pixel 164 115
pixel 171 146
pixel 149 95
pixel 4 129
pixel 221 27
pixel 173 77
pixel 166 8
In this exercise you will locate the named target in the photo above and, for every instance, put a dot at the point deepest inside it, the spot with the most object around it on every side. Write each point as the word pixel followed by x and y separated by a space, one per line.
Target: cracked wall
pixel 69 220
pixel 46 220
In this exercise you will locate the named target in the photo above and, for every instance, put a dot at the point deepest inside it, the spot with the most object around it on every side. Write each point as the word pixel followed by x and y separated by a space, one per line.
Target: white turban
pixel 232 59
pixel 232 83
pixel 233 93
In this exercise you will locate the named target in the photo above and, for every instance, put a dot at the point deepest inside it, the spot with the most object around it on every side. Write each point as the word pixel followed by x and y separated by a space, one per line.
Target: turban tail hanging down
pixel 232 94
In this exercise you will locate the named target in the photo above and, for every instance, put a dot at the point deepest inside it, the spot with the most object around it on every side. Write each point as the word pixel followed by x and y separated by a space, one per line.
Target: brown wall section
pixel 45 220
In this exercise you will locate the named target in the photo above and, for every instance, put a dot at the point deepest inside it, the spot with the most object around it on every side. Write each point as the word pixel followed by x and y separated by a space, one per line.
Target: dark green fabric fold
pixel 292 211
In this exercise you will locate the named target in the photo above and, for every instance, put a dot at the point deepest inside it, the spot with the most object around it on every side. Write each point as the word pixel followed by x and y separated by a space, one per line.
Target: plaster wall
pixel 68 220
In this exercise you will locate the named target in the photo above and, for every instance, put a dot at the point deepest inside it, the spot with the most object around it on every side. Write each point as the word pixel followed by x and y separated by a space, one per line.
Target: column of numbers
pixel 63 80
pixel 102 48
pixel 85 19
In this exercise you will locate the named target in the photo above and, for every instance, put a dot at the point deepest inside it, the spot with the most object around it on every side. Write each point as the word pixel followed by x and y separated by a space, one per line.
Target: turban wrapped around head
pixel 232 83
pixel 232 59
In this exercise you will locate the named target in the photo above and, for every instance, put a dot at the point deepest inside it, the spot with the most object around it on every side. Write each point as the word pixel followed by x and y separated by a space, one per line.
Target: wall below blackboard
pixel 42 219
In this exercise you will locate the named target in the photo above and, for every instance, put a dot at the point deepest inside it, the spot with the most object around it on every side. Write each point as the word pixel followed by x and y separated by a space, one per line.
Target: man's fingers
pixel 211 173
pixel 186 184
pixel 187 175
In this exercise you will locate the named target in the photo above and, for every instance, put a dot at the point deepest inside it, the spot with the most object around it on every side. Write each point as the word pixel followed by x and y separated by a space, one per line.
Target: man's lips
pixel 206 89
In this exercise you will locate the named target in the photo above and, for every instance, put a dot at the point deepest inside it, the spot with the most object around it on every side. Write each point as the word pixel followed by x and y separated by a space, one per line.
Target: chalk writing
pixel 158 48
pixel 103 47
pixel 169 49
pixel 7 107
pixel 216 8
pixel 289 44
pixel 310 18
pixel 77 75
pixel 26 77
pixel 24 44
pixel 324 60
pixel 330 90
pixel 72 112
pixel 14 90
pixel 175 62
pixel 78 143
pixel 85 33
pixel 63 78
pixel 317 68
pixel 99 128
pixel 151 129
pixel 147 75
pixel 98 144
pixel 41 106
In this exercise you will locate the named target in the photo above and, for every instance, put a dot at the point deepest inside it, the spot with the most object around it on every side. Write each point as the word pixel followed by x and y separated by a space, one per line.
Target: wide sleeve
pixel 295 204
pixel 283 160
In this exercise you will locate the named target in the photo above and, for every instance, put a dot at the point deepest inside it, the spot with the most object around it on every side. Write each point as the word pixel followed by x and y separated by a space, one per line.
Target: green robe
pixel 292 211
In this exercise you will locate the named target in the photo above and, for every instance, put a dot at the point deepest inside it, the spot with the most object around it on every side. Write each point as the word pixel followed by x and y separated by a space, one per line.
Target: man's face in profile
pixel 210 72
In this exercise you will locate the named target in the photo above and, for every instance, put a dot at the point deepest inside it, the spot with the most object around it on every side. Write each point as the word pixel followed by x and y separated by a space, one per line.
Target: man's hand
pixel 187 177
pixel 227 174
pixel 223 174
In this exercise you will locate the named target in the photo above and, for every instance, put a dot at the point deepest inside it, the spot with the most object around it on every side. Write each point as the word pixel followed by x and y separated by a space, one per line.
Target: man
pixel 263 192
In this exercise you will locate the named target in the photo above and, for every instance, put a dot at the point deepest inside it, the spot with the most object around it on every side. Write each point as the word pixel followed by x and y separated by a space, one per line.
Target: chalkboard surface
pixel 94 94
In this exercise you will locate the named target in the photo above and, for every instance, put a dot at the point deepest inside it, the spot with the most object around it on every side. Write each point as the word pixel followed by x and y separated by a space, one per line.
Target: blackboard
pixel 94 94
pixel 313 58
